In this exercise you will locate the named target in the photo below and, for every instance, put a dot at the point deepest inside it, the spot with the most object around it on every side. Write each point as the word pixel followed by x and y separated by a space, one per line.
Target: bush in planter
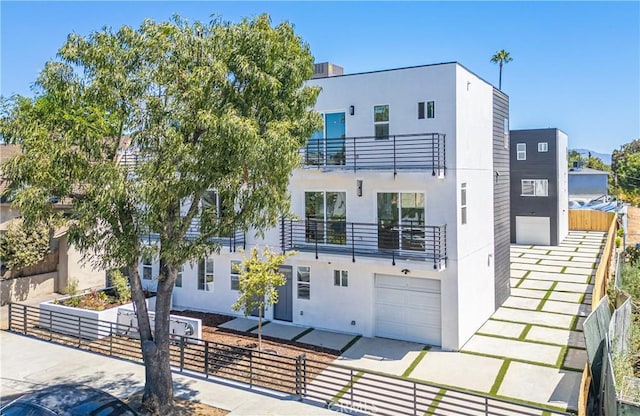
pixel 120 286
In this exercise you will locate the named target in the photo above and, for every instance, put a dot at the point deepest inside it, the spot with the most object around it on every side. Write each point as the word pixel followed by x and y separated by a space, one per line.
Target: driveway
pixel 532 348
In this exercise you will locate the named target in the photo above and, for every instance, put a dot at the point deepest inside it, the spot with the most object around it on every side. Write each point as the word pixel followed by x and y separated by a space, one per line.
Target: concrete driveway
pixel 531 349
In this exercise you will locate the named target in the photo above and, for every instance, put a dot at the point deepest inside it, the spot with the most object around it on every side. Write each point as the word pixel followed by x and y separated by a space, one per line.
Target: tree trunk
pixel 158 388
pixel 500 78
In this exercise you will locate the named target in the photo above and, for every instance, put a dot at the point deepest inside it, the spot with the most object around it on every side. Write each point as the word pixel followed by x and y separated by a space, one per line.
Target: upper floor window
pixel 205 275
pixel 326 215
pixel 543 147
pixel 341 278
pixel 535 187
pixel 521 151
pixel 147 267
pixel 179 278
pixel 381 121
pixel 431 109
pixel 421 110
pixel 235 274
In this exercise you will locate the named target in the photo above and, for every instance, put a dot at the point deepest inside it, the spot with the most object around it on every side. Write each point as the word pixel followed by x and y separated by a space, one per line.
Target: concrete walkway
pixel 42 363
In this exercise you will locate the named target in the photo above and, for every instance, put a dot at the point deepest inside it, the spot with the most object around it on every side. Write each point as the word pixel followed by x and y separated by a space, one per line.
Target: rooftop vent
pixel 327 69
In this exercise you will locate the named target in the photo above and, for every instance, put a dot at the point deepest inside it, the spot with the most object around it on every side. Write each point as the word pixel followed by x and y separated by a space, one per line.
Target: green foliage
pixel 259 281
pixel 72 287
pixel 23 245
pixel 625 164
pixel 632 255
pixel 204 106
pixel 618 242
pixel 620 232
pixel 501 57
pixel 120 285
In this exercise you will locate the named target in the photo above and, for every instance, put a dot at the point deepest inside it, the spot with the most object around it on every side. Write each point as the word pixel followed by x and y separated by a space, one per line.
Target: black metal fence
pixel 235 238
pixel 337 387
pixel 423 151
pixel 398 241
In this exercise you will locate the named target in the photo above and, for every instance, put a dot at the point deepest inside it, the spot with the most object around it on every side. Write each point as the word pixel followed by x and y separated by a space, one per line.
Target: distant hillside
pixel 606 158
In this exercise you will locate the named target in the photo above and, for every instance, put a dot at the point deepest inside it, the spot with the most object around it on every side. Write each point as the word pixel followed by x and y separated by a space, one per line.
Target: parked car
pixel 67 399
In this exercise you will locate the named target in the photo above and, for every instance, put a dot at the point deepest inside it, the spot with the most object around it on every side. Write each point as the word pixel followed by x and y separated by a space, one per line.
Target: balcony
pixel 424 151
pixel 395 241
pixel 233 239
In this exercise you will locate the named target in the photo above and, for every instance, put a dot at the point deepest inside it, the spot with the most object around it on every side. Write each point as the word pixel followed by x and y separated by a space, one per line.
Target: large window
pixel 381 121
pixel 205 275
pixel 535 187
pixel 341 278
pixel 401 221
pixel 326 215
pixel 463 203
pixel 304 282
pixel 147 267
pixel 521 151
pixel 235 274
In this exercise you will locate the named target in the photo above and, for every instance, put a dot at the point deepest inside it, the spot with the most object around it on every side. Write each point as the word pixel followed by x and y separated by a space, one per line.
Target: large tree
pixel 198 107
pixel 625 164
pixel 501 57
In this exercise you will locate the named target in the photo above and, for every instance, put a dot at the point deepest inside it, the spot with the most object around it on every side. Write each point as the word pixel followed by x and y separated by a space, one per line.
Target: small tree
pixel 23 246
pixel 259 281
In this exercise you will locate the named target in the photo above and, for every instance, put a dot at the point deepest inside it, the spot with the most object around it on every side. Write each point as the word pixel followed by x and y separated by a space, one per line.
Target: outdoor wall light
pixel 359 185
pixel 405 271
pixel 352 110
pixel 353 322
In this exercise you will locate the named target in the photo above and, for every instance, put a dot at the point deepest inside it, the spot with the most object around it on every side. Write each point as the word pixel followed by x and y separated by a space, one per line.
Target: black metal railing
pixel 408 240
pixel 337 387
pixel 424 151
pixel 234 239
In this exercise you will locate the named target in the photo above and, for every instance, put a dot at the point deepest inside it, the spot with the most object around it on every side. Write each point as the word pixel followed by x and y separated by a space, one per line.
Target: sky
pixel 576 65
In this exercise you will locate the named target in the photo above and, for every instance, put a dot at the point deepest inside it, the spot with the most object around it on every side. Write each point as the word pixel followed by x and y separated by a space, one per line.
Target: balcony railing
pixel 395 241
pixel 425 151
pixel 233 239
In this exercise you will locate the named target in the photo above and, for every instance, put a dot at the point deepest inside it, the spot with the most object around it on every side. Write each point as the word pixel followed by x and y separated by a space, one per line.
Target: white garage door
pixel 533 230
pixel 407 308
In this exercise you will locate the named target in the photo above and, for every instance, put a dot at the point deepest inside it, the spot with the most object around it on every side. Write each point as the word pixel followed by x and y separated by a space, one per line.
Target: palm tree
pixel 501 57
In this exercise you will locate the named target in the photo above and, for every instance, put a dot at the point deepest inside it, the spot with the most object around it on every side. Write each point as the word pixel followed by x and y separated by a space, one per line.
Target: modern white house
pixel 402 212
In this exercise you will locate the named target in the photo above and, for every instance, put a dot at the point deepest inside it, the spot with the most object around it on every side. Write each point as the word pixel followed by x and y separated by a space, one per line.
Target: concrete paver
pixel 575 270
pixel 518 273
pixel 559 277
pixel 240 324
pixel 526 351
pixel 521 303
pixel 457 369
pixel 556 336
pixel 536 284
pixel 327 339
pixel 543 385
pixel 380 354
pixel 565 296
pixel 277 330
pixel 566 307
pixel 574 287
pixel 547 256
pixel 537 267
pixel 534 317
pixel 575 358
pixel 566 263
pixel 524 260
pixel 503 329
pixel 528 293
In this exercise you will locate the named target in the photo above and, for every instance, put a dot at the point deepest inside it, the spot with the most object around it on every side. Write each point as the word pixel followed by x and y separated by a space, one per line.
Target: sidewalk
pixel 27 363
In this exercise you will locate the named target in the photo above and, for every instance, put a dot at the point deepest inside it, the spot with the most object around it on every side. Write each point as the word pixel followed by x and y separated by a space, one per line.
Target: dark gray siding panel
pixel 501 200
pixel 538 165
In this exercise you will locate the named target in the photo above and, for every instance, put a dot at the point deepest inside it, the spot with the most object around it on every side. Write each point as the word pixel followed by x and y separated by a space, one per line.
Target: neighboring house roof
pixel 586 171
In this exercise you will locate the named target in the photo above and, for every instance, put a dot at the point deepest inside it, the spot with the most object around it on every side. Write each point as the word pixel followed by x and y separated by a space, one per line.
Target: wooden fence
pixel 590 220
pixel 595 221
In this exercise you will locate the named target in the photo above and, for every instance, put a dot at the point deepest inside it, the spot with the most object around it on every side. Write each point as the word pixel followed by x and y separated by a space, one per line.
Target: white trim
pixel 521 151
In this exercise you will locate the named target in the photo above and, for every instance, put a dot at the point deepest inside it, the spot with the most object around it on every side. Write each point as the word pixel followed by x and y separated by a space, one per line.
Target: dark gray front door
pixel 283 310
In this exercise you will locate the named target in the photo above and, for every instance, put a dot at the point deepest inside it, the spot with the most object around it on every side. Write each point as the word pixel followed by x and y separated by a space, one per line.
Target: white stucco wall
pixel 563 185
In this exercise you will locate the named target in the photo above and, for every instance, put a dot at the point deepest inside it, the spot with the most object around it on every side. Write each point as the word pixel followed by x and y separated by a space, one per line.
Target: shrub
pixel 632 254
pixel 72 287
pixel 23 246
pixel 120 285
pixel 618 242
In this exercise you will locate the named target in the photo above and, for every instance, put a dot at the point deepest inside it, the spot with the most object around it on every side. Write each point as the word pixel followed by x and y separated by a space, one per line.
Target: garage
pixel 408 308
pixel 533 230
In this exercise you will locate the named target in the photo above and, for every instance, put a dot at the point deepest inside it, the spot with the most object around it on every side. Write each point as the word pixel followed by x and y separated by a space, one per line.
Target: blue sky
pixel 576 64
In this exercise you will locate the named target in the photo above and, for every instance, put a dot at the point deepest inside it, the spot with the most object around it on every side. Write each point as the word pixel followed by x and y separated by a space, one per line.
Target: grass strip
pixel 350 344
pixel 415 362
pixel 253 328
pixel 498 382
pixel 563 269
pixel 303 333
pixel 436 401
pixel 525 331
pixel 347 387
pixel 546 296
pixel 562 356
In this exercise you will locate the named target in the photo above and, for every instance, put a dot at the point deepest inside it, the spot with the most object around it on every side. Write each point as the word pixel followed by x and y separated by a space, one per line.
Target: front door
pixel 283 310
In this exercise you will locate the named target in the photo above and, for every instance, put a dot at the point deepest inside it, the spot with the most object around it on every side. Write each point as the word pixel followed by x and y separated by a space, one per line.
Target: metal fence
pixel 337 387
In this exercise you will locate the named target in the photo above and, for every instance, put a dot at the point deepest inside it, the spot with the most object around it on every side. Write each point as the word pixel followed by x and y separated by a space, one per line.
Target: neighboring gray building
pixel 587 184
pixel 539 186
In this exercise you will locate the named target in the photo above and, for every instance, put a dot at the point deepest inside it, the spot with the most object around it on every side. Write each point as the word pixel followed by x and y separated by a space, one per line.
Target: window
pixel 205 275
pixel 304 282
pixel 463 203
pixel 326 215
pixel 213 208
pixel 147 267
pixel 235 274
pixel 421 110
pixel 340 278
pixel 401 221
pixel 381 121
pixel 179 278
pixel 431 109
pixel 543 147
pixel 535 187
pixel 521 151
pixel 505 132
